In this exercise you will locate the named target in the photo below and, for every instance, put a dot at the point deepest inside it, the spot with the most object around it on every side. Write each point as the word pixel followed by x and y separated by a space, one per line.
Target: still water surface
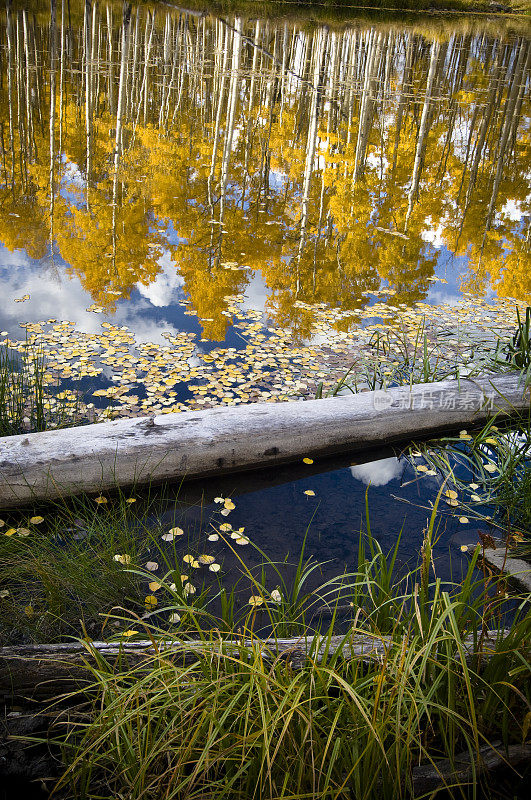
pixel 199 210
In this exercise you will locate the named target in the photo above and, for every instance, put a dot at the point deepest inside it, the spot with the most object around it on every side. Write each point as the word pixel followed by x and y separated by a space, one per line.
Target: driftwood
pixel 428 777
pixel 516 569
pixel 93 458
pixel 46 670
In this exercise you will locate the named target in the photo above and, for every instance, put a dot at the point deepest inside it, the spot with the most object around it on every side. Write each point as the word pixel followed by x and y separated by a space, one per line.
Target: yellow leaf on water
pixel 451 494
pixel 452 503
pixel 2 523
pixel 464 548
pixel 4 593
pixel 464 520
pixel 176 531
pixel 189 588
pixel 213 537
pixel 151 601
pixel 225 526
pixel 309 492
pixel 229 504
pixel 36 520
pixel 188 559
pixel 214 567
pixel 23 531
pixel 152 566
pixel 10 532
pixel 491 468
pixel 100 500
pixel 130 632
pixel 154 586
pixel 476 498
pixel 242 540
pixel 490 440
pixel 255 601
pixel 204 559
pixel 307 460
pixel 131 500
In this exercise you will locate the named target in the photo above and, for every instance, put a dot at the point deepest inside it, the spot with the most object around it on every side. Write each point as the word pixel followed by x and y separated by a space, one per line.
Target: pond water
pixel 201 210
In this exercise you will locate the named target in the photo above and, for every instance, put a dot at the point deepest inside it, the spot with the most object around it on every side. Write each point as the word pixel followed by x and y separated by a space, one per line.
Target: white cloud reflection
pixel 377 473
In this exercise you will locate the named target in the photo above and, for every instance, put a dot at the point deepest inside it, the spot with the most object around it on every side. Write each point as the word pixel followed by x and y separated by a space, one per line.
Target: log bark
pixel 44 466
pixel 430 777
pixel 46 670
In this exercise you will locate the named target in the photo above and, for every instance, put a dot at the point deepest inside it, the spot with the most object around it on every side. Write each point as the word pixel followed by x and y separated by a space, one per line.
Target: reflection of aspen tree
pixel 524 55
pixel 52 114
pixel 423 132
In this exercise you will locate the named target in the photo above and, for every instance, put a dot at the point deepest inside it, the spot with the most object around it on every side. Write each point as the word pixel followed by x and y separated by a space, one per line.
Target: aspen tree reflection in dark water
pixel 330 161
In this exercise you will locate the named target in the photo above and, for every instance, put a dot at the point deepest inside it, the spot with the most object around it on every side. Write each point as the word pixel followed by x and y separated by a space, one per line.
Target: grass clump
pixel 448 673
pixel 27 403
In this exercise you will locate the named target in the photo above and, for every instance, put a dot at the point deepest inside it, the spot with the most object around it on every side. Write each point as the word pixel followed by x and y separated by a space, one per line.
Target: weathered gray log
pixel 429 777
pixel 516 569
pixel 46 670
pixel 93 458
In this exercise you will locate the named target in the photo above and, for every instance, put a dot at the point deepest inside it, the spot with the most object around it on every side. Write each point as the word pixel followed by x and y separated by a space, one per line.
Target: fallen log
pixel 465 769
pixel 44 466
pixel 45 671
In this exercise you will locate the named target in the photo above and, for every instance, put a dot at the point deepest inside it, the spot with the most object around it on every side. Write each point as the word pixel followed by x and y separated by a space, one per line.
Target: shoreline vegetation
pixel 350 8
pixel 451 679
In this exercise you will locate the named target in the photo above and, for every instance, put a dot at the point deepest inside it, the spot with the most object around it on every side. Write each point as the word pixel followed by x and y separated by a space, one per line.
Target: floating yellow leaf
pixel 188 559
pixel 189 588
pixel 490 440
pixel 123 559
pixel 100 500
pixel 255 601
pixel 204 559
pixel 491 468
pixel 10 532
pixel 4 593
pixel 451 494
pixel 130 632
pixel 309 492
pixel 276 596
pixel 464 548
pixel 213 537
pixel 131 500
pixel 229 504
pixel 225 526
pixel 23 531
pixel 36 520
pixel 152 566
pixel 421 468
pixel 214 567
pixel 219 500
pixel 474 485
pixel 174 618
pixel 151 601
pixel 242 540
pixel 307 460
pixel 476 498
pixel 176 531
pixel 464 520
pixel 2 523
pixel 154 586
